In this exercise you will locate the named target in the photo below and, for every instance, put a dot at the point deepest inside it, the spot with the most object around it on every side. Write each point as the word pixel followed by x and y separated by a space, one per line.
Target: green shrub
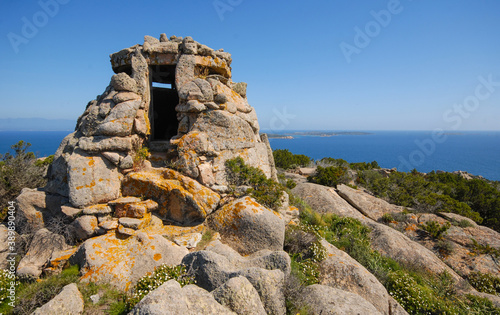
pixel 306 271
pixel 5 282
pixel 18 171
pixel 286 160
pixel 435 230
pixel 31 295
pixel 266 191
pixel 471 304
pixel 444 247
pixel 477 199
pixel 485 249
pixel 46 161
pixel 414 298
pixel 140 157
pixel 161 275
pixel 464 223
pixel 363 166
pixel 387 218
pixel 333 162
pixel 484 282
pixel 111 300
pixel 329 176
pixel 290 184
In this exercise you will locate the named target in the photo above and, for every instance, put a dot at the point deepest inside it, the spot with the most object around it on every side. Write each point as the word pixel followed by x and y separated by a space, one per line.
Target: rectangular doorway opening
pixel 164 98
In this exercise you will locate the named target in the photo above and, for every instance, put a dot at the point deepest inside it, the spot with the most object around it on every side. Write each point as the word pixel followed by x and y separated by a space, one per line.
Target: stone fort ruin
pixel 174 96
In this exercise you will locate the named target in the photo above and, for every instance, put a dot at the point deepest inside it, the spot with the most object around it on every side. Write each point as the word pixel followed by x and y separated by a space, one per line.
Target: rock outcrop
pixel 68 301
pixel 265 270
pixel 170 298
pixel 248 226
pixel 121 262
pixel 320 299
pixel 43 245
pixel 180 198
pixel 371 207
pixel 341 271
pixel 240 296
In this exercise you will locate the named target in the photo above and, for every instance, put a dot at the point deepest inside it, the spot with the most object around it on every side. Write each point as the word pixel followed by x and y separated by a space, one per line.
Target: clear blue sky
pixel 422 60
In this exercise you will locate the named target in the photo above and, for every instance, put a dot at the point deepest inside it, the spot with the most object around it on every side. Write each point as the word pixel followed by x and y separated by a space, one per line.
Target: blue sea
pixel 475 152
pixel 43 143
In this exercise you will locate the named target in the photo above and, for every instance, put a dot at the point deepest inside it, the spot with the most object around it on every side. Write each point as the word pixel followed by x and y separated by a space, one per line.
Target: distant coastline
pixel 291 135
pixel 36 124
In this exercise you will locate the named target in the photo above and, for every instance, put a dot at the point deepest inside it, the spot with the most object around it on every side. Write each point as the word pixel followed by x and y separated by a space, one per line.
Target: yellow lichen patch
pixel 157 257
pixel 215 63
pixel 57 262
pixel 170 231
pixel 148 123
pixel 176 194
pixel 411 227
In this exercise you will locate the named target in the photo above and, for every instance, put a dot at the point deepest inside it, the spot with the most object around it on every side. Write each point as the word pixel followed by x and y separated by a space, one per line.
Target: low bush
pixel 464 223
pixel 20 170
pixel 5 282
pixel 31 295
pixel 306 271
pixel 414 298
pixel 329 176
pixel 266 191
pixel 485 249
pixel 140 157
pixel 387 218
pixel 364 166
pixel 111 301
pixel 484 282
pixel 444 247
pixel 161 275
pixel 286 160
pixel 435 230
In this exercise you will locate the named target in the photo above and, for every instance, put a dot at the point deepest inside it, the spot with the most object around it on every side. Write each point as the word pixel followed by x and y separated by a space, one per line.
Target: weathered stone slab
pixel 122 262
pixel 92 180
pixel 69 301
pixel 372 207
pixel 102 143
pixel 248 226
pixel 179 197
pixel 41 248
pixel 171 299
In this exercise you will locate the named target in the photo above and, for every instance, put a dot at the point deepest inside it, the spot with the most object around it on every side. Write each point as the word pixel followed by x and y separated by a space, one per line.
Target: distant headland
pixel 290 135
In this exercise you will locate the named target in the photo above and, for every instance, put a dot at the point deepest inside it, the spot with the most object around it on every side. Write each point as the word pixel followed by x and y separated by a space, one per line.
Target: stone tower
pixel 174 96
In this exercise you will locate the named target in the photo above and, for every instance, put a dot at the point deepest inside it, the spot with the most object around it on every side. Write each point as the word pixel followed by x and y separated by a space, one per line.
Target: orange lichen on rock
pixel 122 262
pixel 248 226
pixel 179 197
pixel 411 227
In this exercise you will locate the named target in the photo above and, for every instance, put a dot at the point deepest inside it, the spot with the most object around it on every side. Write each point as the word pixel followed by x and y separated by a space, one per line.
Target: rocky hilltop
pixel 167 169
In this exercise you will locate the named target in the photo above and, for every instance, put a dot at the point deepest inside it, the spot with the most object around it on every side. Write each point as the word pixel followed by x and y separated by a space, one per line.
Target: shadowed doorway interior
pixel 164 98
